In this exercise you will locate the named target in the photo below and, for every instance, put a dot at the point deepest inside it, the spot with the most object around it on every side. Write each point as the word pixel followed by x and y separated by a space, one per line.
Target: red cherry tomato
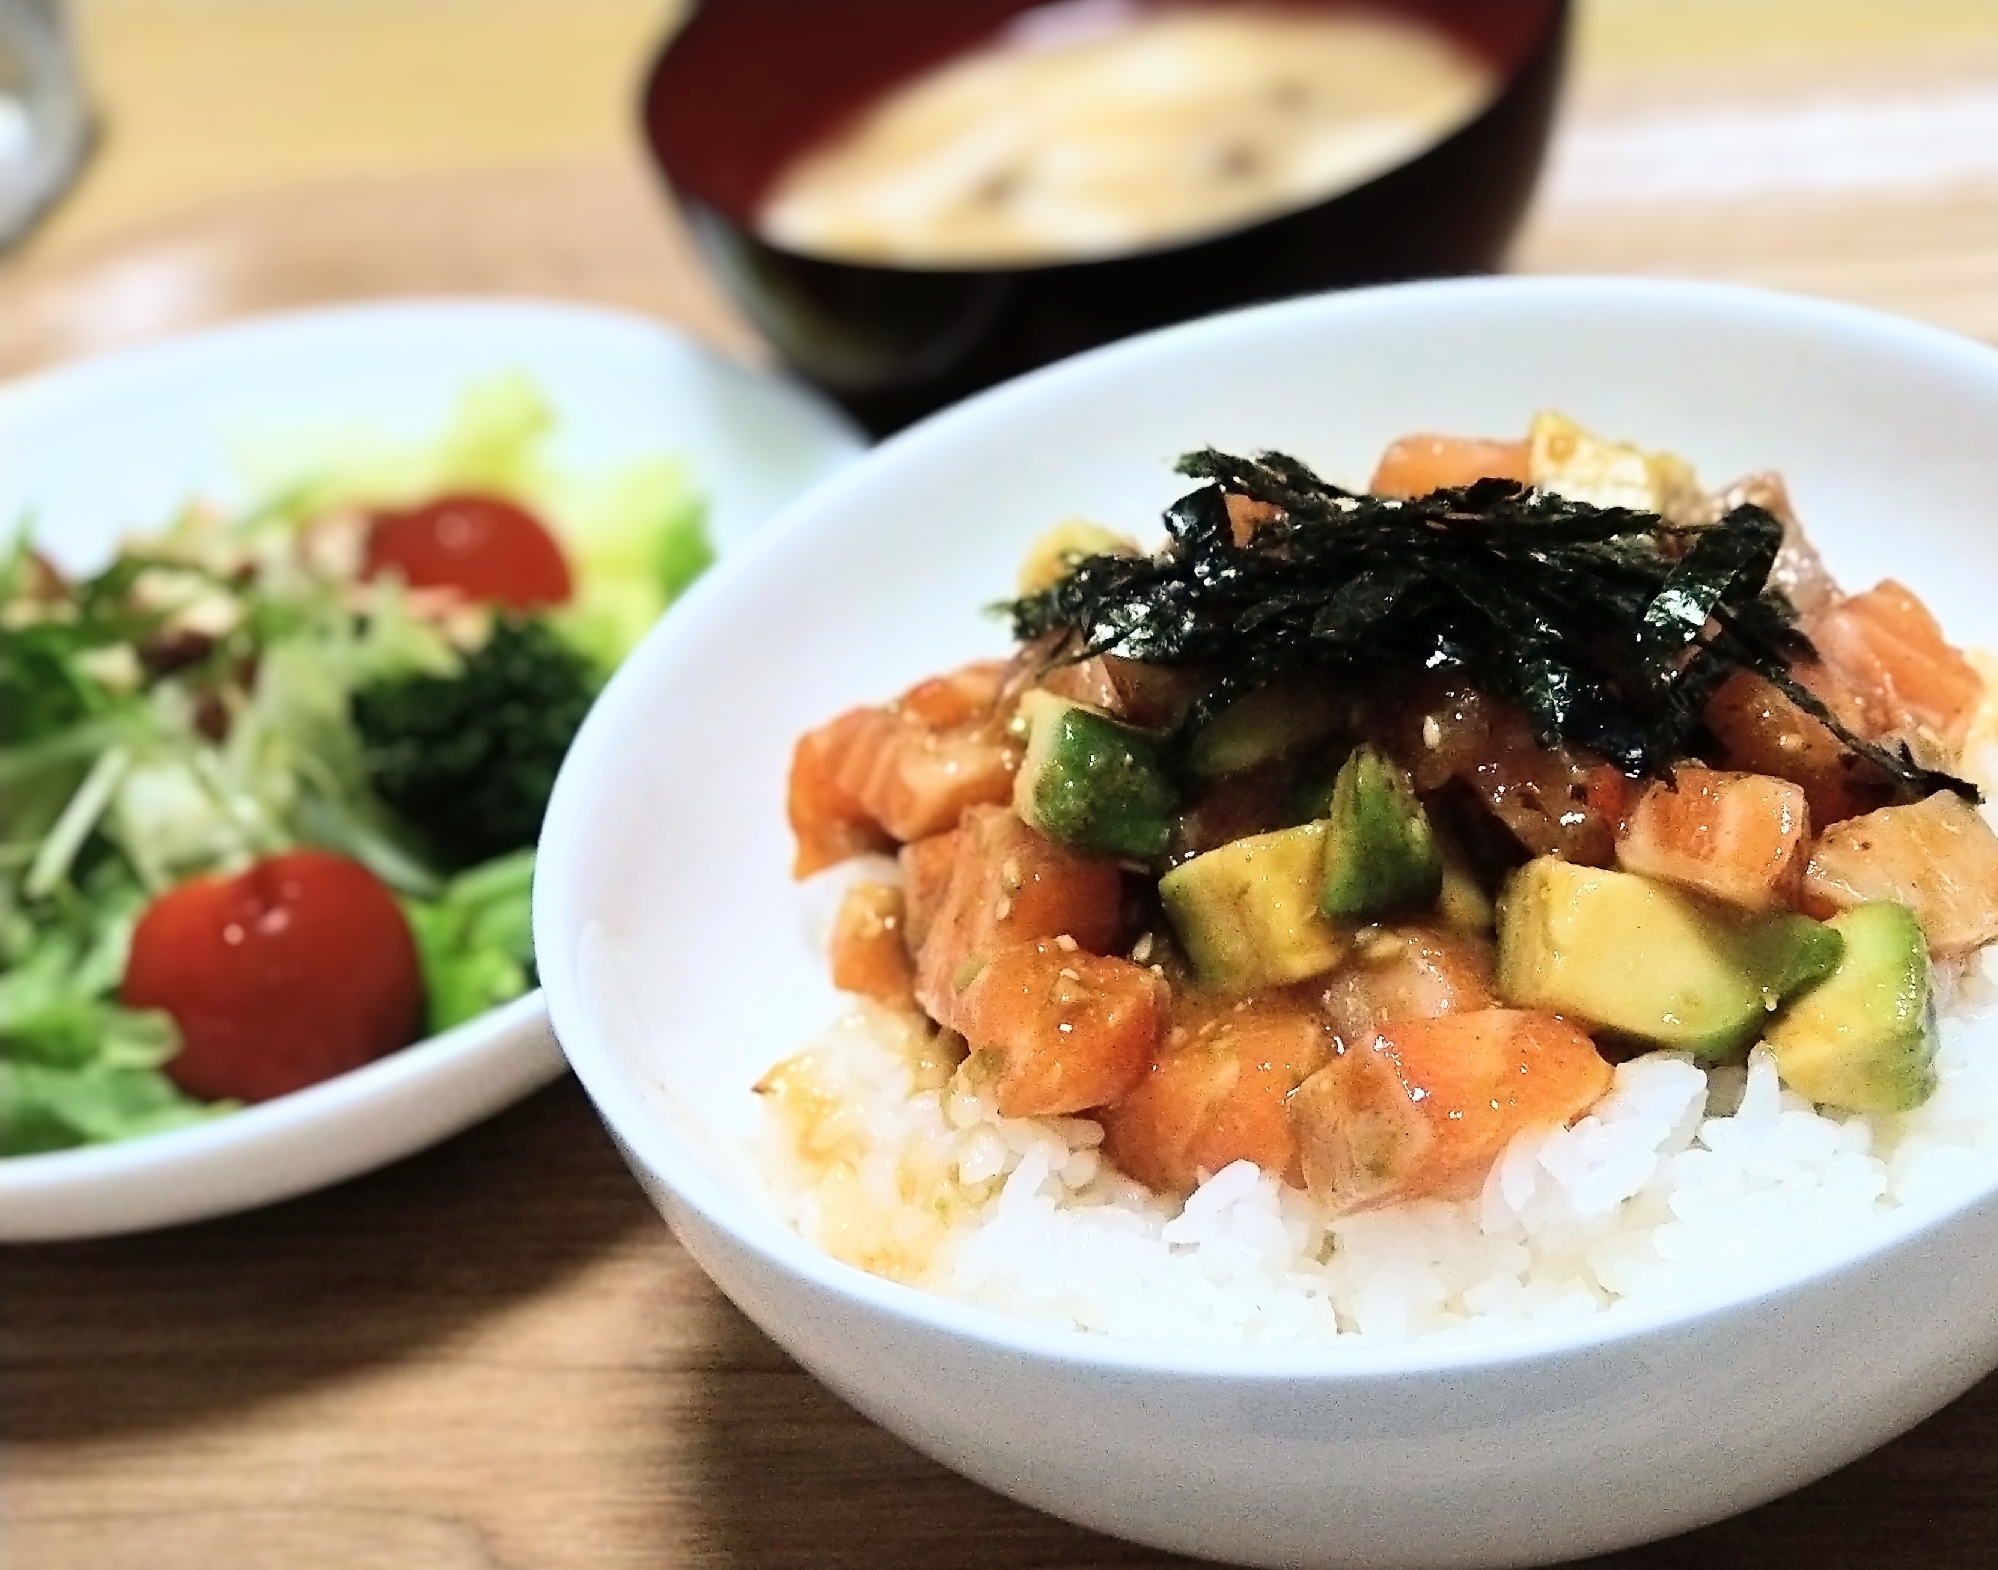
pixel 294 971
pixel 486 547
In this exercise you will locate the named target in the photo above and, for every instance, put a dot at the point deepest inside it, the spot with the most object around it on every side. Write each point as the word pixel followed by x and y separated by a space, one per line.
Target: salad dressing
pixel 1093 128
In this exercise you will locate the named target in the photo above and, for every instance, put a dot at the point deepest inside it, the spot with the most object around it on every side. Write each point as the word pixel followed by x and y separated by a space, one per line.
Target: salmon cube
pixel 1889 647
pixel 926 865
pixel 1416 972
pixel 1010 885
pixel 1938 857
pixel 1424 1109
pixel 869 955
pixel 1073 1030
pixel 914 781
pixel 877 777
pixel 1247 515
pixel 1417 465
pixel 1739 838
pixel 956 699
pixel 1761 731
pixel 1215 1093
pixel 827 820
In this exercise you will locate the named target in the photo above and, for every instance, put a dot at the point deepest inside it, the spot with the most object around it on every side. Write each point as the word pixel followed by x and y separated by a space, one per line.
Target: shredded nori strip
pixel 1608 627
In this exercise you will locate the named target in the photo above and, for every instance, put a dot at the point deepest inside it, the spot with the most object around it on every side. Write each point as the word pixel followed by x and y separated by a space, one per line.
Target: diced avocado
pixel 1864 1039
pixel 1090 782
pixel 1625 954
pixel 1461 902
pixel 1263 727
pixel 1247 913
pixel 1787 955
pixel 1380 854
pixel 1650 962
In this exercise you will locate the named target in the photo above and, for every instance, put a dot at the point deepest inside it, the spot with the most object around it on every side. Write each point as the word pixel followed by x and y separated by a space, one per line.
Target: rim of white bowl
pixel 559 925
pixel 266 1125
pixel 269 1125
pixel 204 338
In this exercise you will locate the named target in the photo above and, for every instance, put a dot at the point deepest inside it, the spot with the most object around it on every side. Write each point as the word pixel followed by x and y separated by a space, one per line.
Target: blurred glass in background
pixel 44 119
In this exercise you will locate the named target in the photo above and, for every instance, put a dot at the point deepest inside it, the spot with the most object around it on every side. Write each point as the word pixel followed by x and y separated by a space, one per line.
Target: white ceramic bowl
pixel 117 444
pixel 679 965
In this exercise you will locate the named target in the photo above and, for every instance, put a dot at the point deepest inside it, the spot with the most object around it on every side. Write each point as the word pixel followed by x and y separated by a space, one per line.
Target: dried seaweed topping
pixel 1608 627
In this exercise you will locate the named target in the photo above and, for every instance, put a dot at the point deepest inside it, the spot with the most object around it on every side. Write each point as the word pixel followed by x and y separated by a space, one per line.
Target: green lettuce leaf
pixel 44 1109
pixel 475 940
pixel 76 1067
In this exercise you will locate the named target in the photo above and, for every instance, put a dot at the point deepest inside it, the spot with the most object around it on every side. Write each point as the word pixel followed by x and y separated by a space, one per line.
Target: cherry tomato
pixel 289 973
pixel 485 547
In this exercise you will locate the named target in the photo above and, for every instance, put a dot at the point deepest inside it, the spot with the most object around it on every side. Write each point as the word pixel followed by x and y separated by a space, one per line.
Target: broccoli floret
pixel 468 761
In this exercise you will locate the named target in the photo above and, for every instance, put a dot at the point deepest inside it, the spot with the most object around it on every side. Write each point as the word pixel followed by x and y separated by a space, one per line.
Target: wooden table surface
pixel 492 1354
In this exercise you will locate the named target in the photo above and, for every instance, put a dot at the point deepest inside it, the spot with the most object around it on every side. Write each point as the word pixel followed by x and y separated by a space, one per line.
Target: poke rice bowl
pixel 682 962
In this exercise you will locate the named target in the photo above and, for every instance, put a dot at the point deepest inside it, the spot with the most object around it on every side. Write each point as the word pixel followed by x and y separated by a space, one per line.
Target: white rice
pixel 1680 1184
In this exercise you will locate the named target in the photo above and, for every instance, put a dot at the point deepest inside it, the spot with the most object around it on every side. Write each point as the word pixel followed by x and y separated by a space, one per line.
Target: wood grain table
pixel 493 1355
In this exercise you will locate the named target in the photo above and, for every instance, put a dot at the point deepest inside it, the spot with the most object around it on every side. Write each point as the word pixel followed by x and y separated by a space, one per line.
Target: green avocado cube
pixel 1380 853
pixel 1090 782
pixel 1864 1039
pixel 1276 722
pixel 1247 912
pixel 1788 954
pixel 1650 962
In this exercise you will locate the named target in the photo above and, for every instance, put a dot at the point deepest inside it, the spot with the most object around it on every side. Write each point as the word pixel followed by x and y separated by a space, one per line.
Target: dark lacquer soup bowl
pixel 748 85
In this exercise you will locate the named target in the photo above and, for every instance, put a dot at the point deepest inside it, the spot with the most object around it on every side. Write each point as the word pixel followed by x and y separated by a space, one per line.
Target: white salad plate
pixel 1534 1447
pixel 113 445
